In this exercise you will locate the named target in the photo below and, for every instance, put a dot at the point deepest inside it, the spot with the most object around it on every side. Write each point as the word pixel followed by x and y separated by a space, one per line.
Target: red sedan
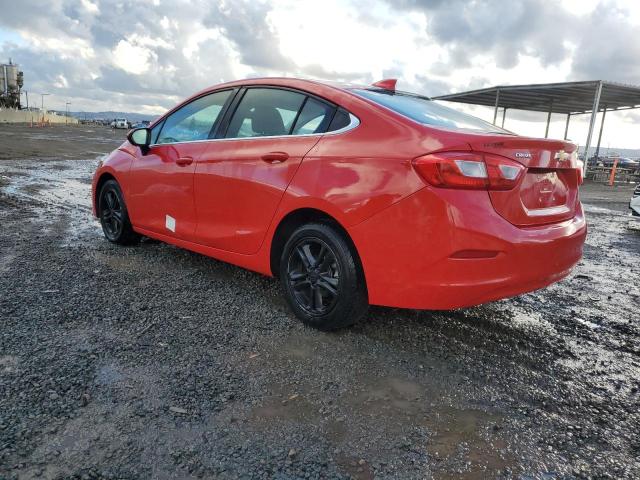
pixel 350 195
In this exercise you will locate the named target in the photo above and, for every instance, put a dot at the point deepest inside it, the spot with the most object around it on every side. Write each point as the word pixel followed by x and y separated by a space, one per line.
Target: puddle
pixel 466 438
pixel 61 185
pixel 66 185
pixel 601 210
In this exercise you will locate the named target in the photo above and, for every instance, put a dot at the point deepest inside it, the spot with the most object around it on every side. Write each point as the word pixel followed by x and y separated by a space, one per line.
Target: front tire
pixel 322 278
pixel 113 215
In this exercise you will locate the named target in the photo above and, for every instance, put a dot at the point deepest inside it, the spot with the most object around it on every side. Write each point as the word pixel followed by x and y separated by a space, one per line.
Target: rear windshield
pixel 428 112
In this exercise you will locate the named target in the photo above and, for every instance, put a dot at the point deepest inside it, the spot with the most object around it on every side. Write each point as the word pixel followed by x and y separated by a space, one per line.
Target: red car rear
pixel 351 195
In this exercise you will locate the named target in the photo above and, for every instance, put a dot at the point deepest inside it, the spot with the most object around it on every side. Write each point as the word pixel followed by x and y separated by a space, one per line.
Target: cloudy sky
pixel 145 55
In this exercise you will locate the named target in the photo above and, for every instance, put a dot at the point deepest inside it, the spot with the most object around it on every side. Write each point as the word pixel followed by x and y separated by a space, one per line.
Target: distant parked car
pixel 142 124
pixel 120 123
pixel 623 162
pixel 595 161
pixel 634 205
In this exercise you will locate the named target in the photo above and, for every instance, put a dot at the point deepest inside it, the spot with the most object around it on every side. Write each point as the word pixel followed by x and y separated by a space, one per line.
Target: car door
pixel 241 177
pixel 161 180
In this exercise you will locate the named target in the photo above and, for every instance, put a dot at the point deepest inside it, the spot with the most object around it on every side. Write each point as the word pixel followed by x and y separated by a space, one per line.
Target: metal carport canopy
pixel 570 98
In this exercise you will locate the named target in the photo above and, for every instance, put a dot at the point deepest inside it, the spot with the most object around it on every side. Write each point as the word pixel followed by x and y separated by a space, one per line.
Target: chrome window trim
pixel 354 122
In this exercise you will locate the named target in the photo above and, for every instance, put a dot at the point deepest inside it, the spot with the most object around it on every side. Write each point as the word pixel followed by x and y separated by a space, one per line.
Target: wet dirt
pixel 154 362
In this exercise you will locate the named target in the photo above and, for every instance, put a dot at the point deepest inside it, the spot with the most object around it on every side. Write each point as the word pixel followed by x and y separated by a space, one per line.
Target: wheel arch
pixel 104 178
pixel 293 220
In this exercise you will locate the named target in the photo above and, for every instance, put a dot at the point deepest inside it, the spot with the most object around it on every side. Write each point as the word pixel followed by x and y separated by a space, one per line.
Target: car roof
pixel 340 93
pixel 299 82
pixel 311 85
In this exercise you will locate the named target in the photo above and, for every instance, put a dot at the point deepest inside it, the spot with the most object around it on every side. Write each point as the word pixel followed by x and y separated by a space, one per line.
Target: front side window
pixel 194 121
pixel 155 131
pixel 428 112
pixel 265 112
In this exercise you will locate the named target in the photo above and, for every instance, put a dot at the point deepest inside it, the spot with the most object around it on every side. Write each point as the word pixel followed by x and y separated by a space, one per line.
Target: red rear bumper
pixel 407 251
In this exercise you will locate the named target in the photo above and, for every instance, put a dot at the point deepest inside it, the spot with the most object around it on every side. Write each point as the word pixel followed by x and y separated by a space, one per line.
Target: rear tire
pixel 322 278
pixel 114 216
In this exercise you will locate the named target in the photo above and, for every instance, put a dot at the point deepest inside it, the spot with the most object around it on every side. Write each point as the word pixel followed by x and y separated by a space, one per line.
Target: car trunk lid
pixel 547 191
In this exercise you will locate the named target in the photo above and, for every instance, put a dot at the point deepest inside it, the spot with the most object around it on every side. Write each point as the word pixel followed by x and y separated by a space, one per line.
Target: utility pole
pixel 495 110
pixel 592 122
pixel 66 113
pixel 42 95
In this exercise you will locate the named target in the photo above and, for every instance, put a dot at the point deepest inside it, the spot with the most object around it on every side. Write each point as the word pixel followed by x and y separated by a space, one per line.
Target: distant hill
pixel 132 117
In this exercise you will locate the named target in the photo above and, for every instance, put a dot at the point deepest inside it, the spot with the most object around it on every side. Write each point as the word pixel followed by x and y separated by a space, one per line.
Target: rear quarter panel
pixel 358 173
pixel 353 176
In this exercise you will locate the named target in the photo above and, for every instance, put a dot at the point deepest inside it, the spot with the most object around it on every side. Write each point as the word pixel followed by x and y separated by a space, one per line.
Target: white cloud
pixel 146 55
pixel 343 43
pixel 90 6
pixel 131 58
pixel 61 82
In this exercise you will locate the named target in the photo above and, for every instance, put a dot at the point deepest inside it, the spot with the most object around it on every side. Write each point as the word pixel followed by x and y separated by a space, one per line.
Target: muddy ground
pixel 154 362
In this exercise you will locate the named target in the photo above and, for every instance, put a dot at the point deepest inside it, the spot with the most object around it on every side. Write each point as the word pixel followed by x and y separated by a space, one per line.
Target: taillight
pixel 580 171
pixel 469 170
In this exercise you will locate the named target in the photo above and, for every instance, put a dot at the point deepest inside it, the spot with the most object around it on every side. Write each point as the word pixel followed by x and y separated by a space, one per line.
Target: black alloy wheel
pixel 314 276
pixel 113 215
pixel 322 278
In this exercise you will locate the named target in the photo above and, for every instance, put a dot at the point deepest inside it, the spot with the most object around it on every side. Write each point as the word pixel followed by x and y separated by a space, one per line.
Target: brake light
pixel 580 171
pixel 467 170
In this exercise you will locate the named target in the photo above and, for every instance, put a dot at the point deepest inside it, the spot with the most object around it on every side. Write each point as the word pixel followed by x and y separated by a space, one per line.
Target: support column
pixel 592 122
pixel 566 127
pixel 495 111
pixel 504 114
pixel 604 114
pixel 546 131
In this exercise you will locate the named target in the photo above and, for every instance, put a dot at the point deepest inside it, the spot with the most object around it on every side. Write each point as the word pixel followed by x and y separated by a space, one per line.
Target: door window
pixel 194 121
pixel 265 112
pixel 314 117
pixel 155 131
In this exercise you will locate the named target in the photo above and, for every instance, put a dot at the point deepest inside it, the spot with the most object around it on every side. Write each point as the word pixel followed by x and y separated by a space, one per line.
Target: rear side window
pixel 340 120
pixel 428 112
pixel 195 120
pixel 265 112
pixel 314 117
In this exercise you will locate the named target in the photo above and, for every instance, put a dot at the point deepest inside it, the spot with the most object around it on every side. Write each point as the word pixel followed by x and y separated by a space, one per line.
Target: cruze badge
pixel 523 155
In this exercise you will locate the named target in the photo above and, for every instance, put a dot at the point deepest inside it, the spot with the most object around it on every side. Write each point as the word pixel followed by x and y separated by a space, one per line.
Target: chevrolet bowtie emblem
pixel 561 156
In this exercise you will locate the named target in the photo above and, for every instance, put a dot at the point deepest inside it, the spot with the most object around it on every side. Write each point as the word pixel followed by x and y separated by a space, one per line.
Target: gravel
pixel 155 362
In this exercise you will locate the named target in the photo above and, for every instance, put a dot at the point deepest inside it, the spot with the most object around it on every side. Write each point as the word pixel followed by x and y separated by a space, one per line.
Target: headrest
pixel 267 120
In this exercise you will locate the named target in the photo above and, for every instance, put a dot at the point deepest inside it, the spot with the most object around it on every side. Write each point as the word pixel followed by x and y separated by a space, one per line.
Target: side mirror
pixel 140 137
